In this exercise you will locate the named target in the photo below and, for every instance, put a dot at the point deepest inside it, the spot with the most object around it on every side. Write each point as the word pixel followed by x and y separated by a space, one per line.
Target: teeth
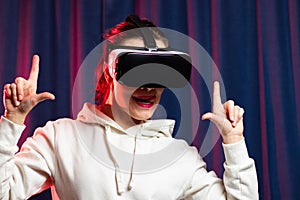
pixel 145 101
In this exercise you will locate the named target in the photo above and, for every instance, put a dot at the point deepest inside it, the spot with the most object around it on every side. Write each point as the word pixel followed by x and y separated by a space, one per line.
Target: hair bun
pixel 136 20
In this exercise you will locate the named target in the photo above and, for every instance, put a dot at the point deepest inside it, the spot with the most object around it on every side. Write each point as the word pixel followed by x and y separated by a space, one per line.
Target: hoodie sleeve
pixel 239 179
pixel 27 172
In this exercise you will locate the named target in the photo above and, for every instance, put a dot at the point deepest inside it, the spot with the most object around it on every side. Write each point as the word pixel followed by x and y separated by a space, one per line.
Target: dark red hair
pixel 113 37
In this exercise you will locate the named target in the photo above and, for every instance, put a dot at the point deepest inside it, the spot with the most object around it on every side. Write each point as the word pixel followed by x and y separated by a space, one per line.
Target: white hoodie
pixel 94 158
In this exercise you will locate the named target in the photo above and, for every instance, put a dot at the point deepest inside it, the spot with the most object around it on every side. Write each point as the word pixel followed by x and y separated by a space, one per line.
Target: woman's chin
pixel 142 115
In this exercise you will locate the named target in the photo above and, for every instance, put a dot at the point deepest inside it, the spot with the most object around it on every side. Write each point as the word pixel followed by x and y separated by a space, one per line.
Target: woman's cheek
pixel 122 95
pixel 159 93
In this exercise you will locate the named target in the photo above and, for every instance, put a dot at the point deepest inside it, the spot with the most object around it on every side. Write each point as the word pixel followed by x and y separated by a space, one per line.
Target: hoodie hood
pixel 151 128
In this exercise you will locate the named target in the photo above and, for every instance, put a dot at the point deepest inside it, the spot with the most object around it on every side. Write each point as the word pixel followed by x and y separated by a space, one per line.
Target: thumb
pixel 44 96
pixel 207 116
pixel 217 120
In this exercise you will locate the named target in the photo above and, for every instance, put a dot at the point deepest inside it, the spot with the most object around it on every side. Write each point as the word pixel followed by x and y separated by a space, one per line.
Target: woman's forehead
pixel 139 42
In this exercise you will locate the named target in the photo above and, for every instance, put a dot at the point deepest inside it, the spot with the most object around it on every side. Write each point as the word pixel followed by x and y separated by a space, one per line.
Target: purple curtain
pixel 255 45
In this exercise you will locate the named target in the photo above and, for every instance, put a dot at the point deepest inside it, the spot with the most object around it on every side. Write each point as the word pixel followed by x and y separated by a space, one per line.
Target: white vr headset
pixel 149 66
pixel 136 68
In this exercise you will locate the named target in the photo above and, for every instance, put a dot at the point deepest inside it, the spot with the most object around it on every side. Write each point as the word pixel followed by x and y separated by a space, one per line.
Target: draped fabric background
pixel 255 44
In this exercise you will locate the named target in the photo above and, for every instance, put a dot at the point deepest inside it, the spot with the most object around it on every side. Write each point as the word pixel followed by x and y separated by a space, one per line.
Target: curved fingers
pixel 7 90
pixel 229 110
pixel 13 88
pixel 234 112
pixel 239 113
pixel 21 85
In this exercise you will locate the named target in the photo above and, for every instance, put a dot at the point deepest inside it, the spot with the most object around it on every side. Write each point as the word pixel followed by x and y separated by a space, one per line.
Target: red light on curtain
pixel 76 52
pixel 148 9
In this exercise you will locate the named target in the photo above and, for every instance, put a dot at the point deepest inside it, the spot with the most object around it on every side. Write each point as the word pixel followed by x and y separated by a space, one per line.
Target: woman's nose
pixel 147 88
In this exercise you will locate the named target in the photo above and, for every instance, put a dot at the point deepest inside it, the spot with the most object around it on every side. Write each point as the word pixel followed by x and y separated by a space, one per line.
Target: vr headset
pixel 149 66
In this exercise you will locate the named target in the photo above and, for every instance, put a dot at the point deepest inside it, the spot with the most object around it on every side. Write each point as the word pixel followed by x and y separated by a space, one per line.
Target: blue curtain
pixel 254 43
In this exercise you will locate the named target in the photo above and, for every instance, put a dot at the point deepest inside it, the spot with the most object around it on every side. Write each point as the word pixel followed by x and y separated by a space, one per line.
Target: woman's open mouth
pixel 144 101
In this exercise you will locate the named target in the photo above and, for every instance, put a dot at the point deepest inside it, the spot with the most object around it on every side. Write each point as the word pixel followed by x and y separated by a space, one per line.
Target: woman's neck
pixel 120 117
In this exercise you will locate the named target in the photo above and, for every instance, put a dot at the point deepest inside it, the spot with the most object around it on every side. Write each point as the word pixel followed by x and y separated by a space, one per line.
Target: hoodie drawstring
pixel 132 165
pixel 118 178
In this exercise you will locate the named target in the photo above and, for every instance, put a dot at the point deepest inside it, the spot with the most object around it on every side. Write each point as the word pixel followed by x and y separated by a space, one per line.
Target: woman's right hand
pixel 20 97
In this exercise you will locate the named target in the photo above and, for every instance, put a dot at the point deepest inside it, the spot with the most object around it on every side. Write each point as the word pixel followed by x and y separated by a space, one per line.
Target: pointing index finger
pixel 216 94
pixel 34 73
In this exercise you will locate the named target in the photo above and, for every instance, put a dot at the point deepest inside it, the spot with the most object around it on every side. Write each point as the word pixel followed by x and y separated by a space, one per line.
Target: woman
pixel 107 152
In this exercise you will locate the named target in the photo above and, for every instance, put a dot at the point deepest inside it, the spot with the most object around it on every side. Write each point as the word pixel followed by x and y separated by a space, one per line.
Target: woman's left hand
pixel 227 117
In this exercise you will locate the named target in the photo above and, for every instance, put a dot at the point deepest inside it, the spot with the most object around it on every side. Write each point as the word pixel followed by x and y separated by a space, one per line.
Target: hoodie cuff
pixel 236 153
pixel 10 132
